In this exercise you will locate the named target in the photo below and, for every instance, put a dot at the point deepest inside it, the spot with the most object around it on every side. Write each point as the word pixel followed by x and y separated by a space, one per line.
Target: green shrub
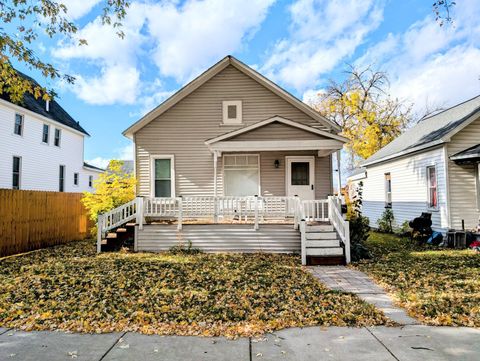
pixel 385 223
pixel 404 229
pixel 359 227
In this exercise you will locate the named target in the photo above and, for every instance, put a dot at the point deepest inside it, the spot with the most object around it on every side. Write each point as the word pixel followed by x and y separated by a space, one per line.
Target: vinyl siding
pixel 182 130
pixel 409 189
pixel 462 186
pixel 276 238
pixel 277 130
pixel 40 162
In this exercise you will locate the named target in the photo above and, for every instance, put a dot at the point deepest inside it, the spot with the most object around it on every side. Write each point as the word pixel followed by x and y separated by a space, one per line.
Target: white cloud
pixel 117 79
pixel 78 8
pixel 429 65
pixel 322 33
pixel 192 36
pixel 180 38
pixel 124 153
pixel 116 84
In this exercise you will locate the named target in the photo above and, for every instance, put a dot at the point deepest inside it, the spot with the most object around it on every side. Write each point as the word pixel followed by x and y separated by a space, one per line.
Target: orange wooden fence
pixel 35 219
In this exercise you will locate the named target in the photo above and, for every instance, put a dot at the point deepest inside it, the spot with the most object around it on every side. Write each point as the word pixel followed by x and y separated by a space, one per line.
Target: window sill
pixel 433 209
pixel 231 125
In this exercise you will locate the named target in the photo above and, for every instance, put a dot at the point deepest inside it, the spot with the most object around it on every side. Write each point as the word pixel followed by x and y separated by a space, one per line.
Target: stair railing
pixel 117 217
pixel 341 226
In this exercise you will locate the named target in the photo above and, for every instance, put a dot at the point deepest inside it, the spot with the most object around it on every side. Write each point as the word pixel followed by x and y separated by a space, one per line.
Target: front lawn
pixel 440 287
pixel 71 288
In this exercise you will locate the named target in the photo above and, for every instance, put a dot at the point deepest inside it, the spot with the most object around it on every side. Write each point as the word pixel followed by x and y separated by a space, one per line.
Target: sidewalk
pixel 412 342
pixel 345 279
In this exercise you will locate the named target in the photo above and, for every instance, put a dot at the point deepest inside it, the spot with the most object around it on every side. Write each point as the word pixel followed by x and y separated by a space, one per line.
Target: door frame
pixel 299 158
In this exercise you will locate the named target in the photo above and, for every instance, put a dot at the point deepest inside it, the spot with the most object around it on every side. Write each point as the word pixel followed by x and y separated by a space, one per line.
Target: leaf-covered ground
pixel 439 287
pixel 71 288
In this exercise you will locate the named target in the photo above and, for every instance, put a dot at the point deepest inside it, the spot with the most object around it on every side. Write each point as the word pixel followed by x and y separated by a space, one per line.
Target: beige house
pixel 237 153
pixel 233 132
pixel 433 167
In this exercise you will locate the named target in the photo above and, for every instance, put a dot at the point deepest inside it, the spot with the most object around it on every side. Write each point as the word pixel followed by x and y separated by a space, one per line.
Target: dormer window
pixel 232 112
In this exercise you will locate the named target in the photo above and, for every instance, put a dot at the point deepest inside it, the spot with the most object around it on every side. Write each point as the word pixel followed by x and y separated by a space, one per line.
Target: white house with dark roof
pixel 42 147
pixel 432 167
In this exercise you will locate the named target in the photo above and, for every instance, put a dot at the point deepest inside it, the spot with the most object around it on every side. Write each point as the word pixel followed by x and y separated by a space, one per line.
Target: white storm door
pixel 300 177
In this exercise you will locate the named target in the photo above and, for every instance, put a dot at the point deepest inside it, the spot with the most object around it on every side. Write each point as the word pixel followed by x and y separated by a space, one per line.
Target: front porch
pixel 313 228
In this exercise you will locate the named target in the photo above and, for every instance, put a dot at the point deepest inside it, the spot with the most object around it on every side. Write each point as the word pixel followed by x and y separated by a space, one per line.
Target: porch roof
pixel 471 154
pixel 322 141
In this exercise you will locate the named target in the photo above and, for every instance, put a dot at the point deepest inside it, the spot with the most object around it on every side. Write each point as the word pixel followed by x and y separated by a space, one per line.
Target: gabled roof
pixel 467 154
pixel 38 106
pixel 431 131
pixel 278 119
pixel 210 73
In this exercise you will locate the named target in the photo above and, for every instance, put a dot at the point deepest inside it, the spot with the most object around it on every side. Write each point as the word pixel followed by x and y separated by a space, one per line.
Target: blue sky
pixel 298 44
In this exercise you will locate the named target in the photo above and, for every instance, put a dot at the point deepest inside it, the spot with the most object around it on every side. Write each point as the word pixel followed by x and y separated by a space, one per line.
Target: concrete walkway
pixel 345 279
pixel 314 343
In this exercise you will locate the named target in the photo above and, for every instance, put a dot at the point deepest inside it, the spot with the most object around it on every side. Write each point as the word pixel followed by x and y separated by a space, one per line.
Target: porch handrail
pixel 315 210
pixel 341 226
pixel 116 217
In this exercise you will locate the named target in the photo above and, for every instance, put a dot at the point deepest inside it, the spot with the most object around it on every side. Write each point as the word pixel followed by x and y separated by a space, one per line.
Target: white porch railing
pixel 342 226
pixel 253 209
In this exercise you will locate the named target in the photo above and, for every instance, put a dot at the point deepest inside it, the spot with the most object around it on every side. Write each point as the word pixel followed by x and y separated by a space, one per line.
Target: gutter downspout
pixel 447 187
pixel 339 175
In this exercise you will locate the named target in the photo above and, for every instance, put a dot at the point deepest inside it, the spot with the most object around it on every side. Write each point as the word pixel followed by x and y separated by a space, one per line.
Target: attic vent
pixel 47 105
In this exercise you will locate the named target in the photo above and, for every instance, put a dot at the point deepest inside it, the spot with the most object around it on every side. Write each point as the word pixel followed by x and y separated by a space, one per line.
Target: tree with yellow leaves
pixel 361 105
pixel 113 188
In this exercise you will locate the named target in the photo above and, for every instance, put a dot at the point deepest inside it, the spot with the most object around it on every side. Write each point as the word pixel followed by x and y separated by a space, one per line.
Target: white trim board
pixel 153 157
pixel 274 145
pixel 278 119
pixel 210 73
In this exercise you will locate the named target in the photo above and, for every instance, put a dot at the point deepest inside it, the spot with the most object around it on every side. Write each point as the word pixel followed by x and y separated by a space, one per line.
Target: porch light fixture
pixel 276 163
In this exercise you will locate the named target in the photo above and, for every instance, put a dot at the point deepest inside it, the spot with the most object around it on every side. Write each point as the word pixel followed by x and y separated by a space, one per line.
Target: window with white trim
pixel 241 174
pixel 432 186
pixel 18 128
pixel 16 170
pixel 61 178
pixel 232 112
pixel 388 190
pixel 45 133
pixel 163 183
pixel 56 140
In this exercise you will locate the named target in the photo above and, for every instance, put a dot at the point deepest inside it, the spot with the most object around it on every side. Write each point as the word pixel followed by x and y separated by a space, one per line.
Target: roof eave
pixel 404 152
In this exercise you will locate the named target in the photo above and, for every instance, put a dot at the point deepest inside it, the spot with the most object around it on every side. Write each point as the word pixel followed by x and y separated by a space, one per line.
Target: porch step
pixel 320 228
pixel 111 235
pixel 321 235
pixel 322 243
pixel 327 251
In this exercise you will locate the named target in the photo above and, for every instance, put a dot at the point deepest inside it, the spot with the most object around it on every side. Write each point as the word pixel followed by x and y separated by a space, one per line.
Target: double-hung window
pixel 388 190
pixel 16 170
pixel 432 187
pixel 241 174
pixel 56 140
pixel 61 178
pixel 18 128
pixel 45 133
pixel 163 177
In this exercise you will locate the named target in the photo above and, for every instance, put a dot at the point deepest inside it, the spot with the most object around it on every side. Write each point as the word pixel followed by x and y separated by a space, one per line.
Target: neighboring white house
pixel 41 148
pixel 432 167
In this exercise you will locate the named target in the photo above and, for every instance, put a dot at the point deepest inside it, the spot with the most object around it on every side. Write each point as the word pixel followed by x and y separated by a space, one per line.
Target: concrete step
pixel 322 243
pixel 322 235
pixel 328 251
pixel 320 228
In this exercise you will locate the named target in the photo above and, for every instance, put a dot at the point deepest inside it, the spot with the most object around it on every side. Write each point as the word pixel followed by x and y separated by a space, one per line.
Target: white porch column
pixel 215 162
pixel 339 174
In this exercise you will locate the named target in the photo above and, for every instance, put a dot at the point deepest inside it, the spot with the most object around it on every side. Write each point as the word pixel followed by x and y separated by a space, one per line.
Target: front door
pixel 301 177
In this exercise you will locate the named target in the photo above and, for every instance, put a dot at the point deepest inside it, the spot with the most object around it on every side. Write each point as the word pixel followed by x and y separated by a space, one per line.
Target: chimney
pixel 47 105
